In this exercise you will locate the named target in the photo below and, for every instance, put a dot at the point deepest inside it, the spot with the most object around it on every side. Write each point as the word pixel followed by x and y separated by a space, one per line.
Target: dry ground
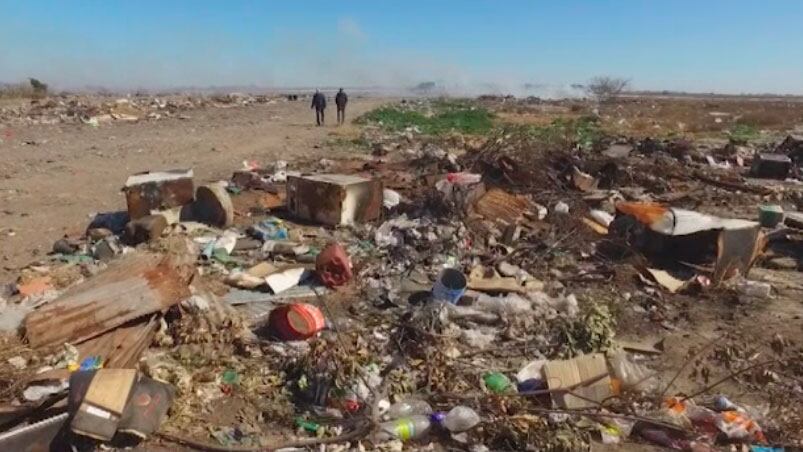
pixel 51 187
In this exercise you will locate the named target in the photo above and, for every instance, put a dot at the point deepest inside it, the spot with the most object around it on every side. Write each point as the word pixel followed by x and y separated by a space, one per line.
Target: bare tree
pixel 39 88
pixel 606 88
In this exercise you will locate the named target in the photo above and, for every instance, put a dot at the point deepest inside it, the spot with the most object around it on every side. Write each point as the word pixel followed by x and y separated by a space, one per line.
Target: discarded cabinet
pixel 158 190
pixel 334 199
pixel 772 166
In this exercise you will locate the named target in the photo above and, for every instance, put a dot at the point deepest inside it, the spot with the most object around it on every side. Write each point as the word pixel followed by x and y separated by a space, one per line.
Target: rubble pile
pixel 456 292
pixel 96 110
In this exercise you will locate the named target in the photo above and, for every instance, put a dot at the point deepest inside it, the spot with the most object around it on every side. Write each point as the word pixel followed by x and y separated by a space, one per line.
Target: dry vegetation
pixel 660 117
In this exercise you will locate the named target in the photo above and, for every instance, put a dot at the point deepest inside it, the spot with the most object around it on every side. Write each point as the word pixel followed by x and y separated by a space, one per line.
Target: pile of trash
pixel 96 110
pixel 419 296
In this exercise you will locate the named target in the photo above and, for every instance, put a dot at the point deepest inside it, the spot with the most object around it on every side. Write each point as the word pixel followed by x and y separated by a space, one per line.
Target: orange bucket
pixel 296 321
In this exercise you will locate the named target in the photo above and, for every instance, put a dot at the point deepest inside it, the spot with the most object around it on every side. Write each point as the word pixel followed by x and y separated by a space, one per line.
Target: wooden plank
pixel 120 348
pixel 109 389
pixel 130 288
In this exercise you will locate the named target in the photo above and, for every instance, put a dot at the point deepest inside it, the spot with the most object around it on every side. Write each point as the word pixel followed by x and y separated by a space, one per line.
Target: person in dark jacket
pixel 319 104
pixel 341 99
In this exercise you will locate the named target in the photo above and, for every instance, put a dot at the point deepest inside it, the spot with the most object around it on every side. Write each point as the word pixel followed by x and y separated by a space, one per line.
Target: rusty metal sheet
pixel 498 204
pixel 130 288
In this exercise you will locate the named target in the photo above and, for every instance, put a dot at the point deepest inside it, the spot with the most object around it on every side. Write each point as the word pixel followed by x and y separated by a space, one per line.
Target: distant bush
pixel 39 88
pixel 606 88
pixel 33 89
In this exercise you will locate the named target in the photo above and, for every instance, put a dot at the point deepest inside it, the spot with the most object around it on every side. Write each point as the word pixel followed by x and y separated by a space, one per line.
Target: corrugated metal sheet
pixel 133 287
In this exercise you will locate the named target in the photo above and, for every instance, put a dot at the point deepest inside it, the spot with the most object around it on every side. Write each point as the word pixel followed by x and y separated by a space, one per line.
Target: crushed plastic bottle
pixel 408 407
pixel 740 426
pixel 405 429
pixel 632 375
pixel 461 418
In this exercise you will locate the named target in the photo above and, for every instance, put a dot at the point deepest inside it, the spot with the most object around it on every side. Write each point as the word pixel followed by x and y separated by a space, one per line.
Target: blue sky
pixel 706 45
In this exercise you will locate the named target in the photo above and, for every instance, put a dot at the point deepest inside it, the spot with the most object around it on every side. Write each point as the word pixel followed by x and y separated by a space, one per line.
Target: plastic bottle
pixel 632 375
pixel 408 407
pixel 406 428
pixel 460 419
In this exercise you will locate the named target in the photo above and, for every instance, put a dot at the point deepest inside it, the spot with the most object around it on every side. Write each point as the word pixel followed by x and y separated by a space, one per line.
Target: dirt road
pixel 52 186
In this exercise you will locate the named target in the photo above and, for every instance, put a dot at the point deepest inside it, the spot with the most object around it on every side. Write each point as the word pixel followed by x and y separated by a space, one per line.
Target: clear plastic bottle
pixel 408 407
pixel 406 428
pixel 460 419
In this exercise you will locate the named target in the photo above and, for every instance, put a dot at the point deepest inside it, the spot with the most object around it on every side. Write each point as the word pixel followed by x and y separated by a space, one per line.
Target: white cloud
pixel 349 27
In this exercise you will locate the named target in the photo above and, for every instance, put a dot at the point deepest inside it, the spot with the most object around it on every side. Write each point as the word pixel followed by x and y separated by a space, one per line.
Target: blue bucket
pixel 450 286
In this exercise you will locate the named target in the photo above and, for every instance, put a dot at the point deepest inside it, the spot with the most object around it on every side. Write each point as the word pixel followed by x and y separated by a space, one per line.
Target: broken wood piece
pixel 499 205
pixel 596 227
pixel 262 270
pixel 667 281
pixel 130 288
pixel 642 347
pixel 490 281
pixel 736 186
pixel 583 181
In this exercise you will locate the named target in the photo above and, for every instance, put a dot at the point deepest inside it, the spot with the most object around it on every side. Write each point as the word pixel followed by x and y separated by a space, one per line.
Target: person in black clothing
pixel 341 99
pixel 319 104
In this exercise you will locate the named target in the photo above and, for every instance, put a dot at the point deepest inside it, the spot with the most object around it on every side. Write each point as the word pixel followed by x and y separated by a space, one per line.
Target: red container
pixel 297 321
pixel 333 265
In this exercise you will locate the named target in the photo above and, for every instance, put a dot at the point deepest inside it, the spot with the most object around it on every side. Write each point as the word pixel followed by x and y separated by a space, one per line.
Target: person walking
pixel 341 99
pixel 319 104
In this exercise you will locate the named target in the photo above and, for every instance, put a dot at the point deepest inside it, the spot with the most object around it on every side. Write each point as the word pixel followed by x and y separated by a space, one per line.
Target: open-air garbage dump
pixel 482 274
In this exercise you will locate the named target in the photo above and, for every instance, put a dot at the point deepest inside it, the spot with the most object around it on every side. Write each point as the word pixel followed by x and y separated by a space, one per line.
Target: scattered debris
pixel 393 300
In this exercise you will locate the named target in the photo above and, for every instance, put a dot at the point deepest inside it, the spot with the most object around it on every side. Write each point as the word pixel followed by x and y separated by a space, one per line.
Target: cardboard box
pixel 334 199
pixel 571 372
